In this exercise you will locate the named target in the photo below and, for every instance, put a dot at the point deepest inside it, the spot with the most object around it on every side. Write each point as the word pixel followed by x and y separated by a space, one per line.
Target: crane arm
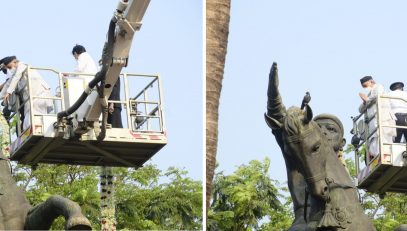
pixel 128 18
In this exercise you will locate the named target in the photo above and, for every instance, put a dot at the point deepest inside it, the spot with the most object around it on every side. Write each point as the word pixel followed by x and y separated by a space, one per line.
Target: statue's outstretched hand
pixel 273 81
pixel 275 107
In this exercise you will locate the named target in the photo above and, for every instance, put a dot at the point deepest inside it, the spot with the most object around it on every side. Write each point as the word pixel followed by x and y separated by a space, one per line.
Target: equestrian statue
pixel 324 196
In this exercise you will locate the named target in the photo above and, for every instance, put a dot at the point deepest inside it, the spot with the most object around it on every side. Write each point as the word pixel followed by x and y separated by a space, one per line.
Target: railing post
pixel 379 125
pixel 30 101
pixel 160 108
pixel 127 99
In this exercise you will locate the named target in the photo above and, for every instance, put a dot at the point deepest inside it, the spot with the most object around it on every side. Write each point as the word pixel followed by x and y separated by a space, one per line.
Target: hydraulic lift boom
pixel 128 22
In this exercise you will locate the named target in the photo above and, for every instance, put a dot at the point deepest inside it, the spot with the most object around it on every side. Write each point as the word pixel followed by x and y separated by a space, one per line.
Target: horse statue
pixel 17 214
pixel 329 200
pixel 335 204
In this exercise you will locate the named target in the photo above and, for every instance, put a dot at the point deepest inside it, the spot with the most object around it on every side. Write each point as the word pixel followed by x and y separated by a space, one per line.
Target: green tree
pixel 246 198
pixel 145 203
pixel 145 198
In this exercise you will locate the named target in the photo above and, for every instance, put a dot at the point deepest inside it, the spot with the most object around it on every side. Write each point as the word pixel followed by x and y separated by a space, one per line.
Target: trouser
pixel 6 114
pixel 115 118
pixel 401 121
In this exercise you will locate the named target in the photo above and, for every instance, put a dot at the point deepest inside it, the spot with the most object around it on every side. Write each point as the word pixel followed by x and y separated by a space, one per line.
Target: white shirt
pixel 86 64
pixel 397 105
pixel 377 90
pixel 6 84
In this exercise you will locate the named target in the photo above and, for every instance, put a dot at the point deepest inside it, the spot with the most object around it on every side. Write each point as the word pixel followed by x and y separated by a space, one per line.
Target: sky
pixel 323 47
pixel 43 33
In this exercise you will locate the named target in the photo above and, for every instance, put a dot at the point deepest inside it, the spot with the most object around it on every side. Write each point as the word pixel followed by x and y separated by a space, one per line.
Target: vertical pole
pixel 160 98
pixel 146 109
pixel 357 171
pixel 61 88
pixel 30 101
pixel 127 100
pixel 379 126
pixel 108 219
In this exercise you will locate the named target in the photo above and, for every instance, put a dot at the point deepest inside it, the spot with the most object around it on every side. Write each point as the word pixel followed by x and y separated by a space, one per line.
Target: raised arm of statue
pixel 275 108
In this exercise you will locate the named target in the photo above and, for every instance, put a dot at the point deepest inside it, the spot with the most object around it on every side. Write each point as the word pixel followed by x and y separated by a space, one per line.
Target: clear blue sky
pixel 323 47
pixel 42 33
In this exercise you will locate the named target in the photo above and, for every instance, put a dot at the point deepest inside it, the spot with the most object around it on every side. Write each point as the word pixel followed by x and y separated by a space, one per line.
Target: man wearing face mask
pixel 369 106
pixel 374 90
pixel 18 83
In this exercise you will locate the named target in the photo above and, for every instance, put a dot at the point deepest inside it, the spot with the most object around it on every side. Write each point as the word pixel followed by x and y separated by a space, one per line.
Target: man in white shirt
pixel 85 63
pixel 399 108
pixel 369 105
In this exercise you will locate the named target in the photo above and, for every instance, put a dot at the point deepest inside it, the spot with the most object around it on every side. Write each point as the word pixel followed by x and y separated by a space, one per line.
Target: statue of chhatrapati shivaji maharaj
pixel 315 196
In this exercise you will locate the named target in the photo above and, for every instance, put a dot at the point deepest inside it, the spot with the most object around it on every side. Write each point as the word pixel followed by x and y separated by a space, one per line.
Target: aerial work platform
pixel 132 152
pixel 143 133
pixel 386 171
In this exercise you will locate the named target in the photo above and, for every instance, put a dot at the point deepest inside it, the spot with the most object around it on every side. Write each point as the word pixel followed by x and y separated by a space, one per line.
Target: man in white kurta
pixel 19 75
pixel 386 116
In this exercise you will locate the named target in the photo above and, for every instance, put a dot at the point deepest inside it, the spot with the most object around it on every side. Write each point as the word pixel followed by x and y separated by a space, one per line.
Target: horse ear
pixel 308 114
pixel 272 123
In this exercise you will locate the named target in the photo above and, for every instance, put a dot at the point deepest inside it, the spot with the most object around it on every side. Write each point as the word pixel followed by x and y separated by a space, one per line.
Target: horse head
pixel 304 140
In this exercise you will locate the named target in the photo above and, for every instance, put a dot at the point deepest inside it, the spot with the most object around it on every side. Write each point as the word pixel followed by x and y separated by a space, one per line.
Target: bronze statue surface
pixel 17 214
pixel 323 194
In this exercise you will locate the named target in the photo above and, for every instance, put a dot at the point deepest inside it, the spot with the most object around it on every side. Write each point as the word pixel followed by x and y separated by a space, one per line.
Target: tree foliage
pixel 246 198
pixel 147 198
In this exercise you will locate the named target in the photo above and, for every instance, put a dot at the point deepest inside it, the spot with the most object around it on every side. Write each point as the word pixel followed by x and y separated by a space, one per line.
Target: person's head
pixel 397 86
pixel 332 128
pixel 9 62
pixel 367 82
pixel 77 50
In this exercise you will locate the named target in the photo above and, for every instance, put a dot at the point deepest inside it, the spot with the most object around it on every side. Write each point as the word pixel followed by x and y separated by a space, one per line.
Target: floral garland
pixel 108 219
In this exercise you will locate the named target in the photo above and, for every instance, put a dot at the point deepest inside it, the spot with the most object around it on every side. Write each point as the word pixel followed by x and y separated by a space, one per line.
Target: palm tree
pixel 217 31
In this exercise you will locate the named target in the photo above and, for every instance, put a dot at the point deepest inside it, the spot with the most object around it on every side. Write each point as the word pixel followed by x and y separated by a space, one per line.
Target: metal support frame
pixel 107 154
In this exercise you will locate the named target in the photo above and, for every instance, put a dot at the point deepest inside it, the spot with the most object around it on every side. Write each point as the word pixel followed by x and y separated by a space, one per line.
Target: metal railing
pixel 363 132
pixel 137 120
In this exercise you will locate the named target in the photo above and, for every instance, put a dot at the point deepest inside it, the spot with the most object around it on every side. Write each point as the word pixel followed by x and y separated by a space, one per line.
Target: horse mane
pixel 293 121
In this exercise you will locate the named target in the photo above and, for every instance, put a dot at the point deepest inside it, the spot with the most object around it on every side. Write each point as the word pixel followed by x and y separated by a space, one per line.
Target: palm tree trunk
pixel 217 31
